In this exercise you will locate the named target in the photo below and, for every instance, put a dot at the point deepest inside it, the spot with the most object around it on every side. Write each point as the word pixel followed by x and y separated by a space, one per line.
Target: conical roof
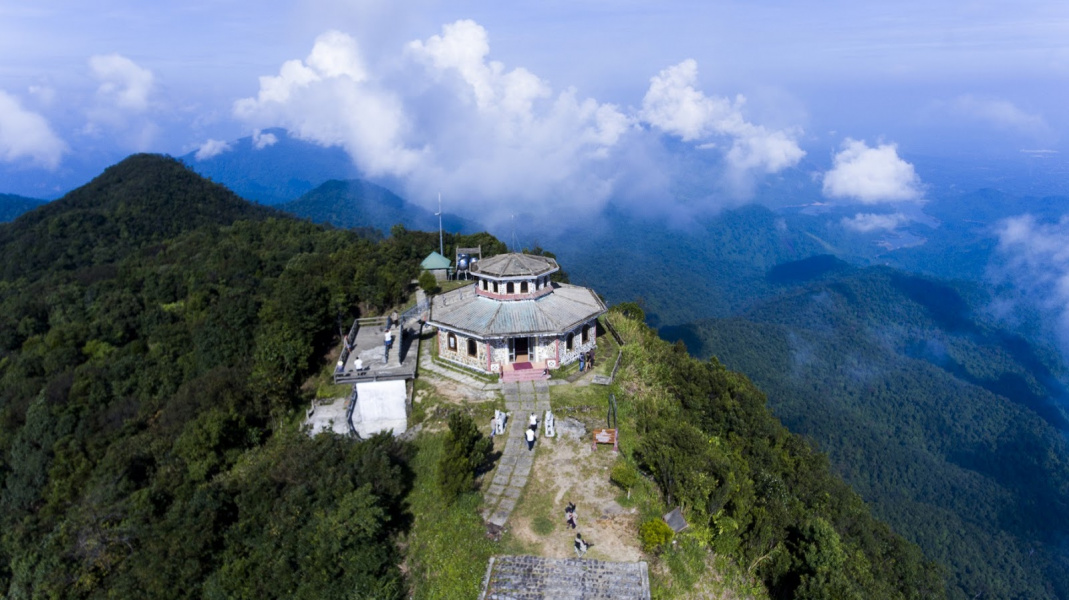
pixel 435 261
pixel 515 264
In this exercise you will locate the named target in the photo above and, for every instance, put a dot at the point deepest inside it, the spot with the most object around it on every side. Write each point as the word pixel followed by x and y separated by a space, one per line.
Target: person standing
pixel 387 341
pixel 530 439
pixel 582 361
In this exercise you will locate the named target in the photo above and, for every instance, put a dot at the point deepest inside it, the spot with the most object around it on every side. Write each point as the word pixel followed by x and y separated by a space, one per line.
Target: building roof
pixel 435 261
pixel 515 265
pixel 553 314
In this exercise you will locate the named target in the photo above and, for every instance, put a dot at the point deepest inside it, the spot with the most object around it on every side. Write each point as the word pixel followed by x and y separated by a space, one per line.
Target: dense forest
pixel 944 423
pixel 155 331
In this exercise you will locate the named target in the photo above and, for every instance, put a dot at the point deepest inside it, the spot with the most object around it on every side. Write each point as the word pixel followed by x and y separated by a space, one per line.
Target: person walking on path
pixel 395 319
pixel 580 545
pixel 530 439
pixel 387 341
pixel 533 421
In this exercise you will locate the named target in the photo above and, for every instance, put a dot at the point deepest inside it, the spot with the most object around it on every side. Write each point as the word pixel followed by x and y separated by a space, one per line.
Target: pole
pixel 441 245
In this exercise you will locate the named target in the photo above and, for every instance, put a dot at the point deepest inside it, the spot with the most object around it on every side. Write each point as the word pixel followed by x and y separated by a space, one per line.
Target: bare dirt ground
pixel 568 470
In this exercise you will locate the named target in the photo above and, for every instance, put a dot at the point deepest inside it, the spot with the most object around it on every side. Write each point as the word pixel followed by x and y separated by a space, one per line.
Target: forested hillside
pixel 154 331
pixel 714 266
pixel 944 423
pixel 754 491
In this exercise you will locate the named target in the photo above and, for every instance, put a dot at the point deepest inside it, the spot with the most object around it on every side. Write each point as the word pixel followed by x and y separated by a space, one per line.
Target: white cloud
pixel 123 83
pixel 673 105
pixel 440 114
pixel 27 135
pixel 329 99
pixel 868 222
pixel 1036 261
pixel 871 175
pixel 1001 114
pixel 262 140
pixel 210 149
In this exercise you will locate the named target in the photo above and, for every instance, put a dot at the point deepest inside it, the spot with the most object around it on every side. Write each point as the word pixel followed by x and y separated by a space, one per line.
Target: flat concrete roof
pixel 380 406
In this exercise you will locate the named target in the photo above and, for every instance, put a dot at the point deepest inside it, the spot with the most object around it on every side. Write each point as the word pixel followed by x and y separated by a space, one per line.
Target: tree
pixel 428 282
pixel 466 449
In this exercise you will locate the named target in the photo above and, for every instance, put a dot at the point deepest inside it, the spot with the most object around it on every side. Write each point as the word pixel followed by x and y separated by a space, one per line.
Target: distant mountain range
pixel 950 427
pixel 11 206
pixel 273 167
pixel 358 203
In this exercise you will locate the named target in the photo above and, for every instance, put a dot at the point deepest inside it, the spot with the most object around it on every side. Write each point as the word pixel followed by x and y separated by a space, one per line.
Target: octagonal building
pixel 513 319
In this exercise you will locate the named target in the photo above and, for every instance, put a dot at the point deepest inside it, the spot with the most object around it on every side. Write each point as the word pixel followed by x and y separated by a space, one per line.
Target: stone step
pixel 535 577
pixel 523 375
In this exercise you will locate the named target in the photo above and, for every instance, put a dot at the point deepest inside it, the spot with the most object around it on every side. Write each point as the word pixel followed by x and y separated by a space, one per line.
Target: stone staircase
pixel 537 578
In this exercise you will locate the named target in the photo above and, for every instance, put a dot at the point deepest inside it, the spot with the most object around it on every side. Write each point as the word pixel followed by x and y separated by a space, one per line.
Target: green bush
pixel 624 475
pixel 428 282
pixel 655 534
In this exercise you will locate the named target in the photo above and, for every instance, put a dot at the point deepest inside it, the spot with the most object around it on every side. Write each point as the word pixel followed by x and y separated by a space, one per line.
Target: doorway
pixel 519 350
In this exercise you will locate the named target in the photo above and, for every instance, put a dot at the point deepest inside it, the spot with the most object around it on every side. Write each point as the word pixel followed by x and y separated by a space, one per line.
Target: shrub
pixel 624 475
pixel 428 283
pixel 655 534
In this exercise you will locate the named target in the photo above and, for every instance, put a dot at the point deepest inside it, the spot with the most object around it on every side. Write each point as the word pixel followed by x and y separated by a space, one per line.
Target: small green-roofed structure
pixel 437 264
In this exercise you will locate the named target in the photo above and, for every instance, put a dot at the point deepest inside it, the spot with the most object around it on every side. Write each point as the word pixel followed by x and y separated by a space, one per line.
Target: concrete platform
pixel 332 416
pixel 381 406
pixel 537 578
pixel 367 359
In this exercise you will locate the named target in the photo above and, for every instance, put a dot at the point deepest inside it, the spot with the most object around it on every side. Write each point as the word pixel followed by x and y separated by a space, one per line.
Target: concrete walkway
pixel 521 399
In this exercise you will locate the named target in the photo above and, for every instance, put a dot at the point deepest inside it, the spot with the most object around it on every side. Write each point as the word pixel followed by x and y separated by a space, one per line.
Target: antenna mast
pixel 441 245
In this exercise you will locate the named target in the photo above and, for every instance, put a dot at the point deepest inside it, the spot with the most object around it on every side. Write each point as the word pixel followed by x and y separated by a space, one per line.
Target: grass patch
pixel 543 525
pixel 447 548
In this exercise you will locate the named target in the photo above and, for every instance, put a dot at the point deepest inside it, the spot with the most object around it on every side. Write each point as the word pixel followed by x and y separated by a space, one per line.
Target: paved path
pixel 521 399
pixel 537 578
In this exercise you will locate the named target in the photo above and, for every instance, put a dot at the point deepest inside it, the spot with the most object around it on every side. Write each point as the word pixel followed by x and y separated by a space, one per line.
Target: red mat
pixel 522 366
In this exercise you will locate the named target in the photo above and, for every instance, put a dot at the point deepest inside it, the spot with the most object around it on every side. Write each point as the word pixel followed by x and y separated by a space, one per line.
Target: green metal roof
pixel 435 261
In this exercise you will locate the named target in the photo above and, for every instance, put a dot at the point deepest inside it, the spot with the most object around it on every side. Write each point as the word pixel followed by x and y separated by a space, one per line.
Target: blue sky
pixel 538 100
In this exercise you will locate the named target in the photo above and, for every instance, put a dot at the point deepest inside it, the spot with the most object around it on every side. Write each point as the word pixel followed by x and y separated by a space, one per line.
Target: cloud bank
pixel 1036 262
pixel 674 106
pixel 1001 114
pixel 871 175
pixel 869 222
pixel 442 115
pixel 122 107
pixel 26 135
pixel 210 149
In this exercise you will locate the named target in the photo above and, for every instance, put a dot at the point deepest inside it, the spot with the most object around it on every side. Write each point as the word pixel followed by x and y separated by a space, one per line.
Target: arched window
pixel 510 288
pixel 570 341
pixel 523 287
pixel 484 285
pixel 586 333
pixel 495 287
pixel 473 348
pixel 452 337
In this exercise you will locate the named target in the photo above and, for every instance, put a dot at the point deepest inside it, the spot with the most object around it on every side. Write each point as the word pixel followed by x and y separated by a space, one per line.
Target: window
pixel 473 348
pixel 586 333
pixel 510 288
pixel 570 341
pixel 495 287
pixel 452 341
pixel 523 287
pixel 484 284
